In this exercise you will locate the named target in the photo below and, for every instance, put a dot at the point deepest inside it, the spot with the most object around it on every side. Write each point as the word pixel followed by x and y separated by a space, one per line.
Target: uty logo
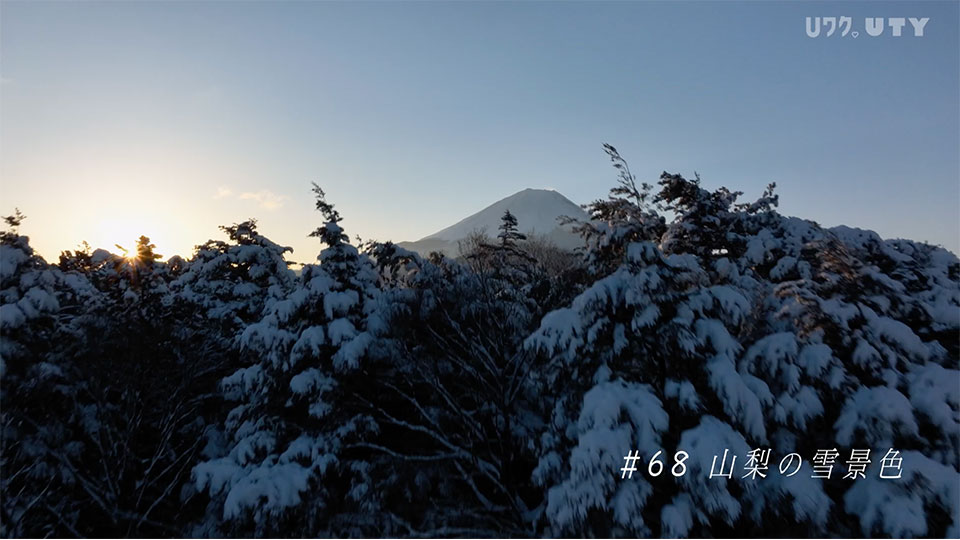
pixel 874 26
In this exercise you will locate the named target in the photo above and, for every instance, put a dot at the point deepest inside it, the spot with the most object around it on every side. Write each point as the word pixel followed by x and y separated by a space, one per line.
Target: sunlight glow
pixel 124 229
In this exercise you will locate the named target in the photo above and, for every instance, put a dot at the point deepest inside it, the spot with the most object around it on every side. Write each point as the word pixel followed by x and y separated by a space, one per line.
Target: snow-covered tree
pixel 136 399
pixel 40 305
pixel 284 468
pixel 628 215
pixel 736 328
pixel 231 281
pixel 453 399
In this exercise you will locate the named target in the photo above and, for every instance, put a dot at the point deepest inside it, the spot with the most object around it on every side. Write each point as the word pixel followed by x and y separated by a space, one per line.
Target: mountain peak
pixel 537 211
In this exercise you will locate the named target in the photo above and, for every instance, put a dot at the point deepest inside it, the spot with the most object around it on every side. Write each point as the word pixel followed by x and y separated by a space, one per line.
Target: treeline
pixel 381 393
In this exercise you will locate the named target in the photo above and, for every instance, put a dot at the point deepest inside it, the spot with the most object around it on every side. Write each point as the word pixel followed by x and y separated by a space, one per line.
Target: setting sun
pixel 123 231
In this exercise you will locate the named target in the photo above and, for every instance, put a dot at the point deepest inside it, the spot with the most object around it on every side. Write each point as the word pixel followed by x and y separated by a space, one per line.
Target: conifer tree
pixel 284 469
pixel 737 328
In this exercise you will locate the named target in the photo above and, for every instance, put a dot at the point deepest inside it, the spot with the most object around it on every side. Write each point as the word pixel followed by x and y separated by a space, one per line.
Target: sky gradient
pixel 171 118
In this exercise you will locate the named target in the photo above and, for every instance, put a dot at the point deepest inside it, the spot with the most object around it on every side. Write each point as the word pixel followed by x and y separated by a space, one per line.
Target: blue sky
pixel 171 118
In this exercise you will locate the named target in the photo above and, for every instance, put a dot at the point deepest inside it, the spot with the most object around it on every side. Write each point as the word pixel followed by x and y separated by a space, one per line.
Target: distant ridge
pixel 537 210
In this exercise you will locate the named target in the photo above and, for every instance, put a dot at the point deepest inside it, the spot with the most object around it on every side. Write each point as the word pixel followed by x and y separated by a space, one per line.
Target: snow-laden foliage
pixel 36 302
pixel 283 457
pixel 231 281
pixel 382 393
pixel 107 390
pixel 789 336
pixel 455 401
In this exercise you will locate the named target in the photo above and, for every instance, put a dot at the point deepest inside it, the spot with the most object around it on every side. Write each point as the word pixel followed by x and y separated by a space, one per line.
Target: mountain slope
pixel 537 212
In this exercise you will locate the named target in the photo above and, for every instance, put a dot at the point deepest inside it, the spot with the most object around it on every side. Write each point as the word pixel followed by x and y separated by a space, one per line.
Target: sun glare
pixel 123 231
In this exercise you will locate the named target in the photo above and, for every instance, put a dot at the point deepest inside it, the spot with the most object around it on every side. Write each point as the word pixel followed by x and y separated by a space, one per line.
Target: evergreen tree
pixel 38 315
pixel 136 404
pixel 454 401
pixel 509 234
pixel 630 214
pixel 231 281
pixel 285 469
pixel 740 329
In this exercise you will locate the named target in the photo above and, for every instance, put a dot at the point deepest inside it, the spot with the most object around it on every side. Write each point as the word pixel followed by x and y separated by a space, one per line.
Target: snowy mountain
pixel 537 211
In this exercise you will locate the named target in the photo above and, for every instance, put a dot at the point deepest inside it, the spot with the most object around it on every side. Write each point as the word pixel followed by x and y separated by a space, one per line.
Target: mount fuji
pixel 537 211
